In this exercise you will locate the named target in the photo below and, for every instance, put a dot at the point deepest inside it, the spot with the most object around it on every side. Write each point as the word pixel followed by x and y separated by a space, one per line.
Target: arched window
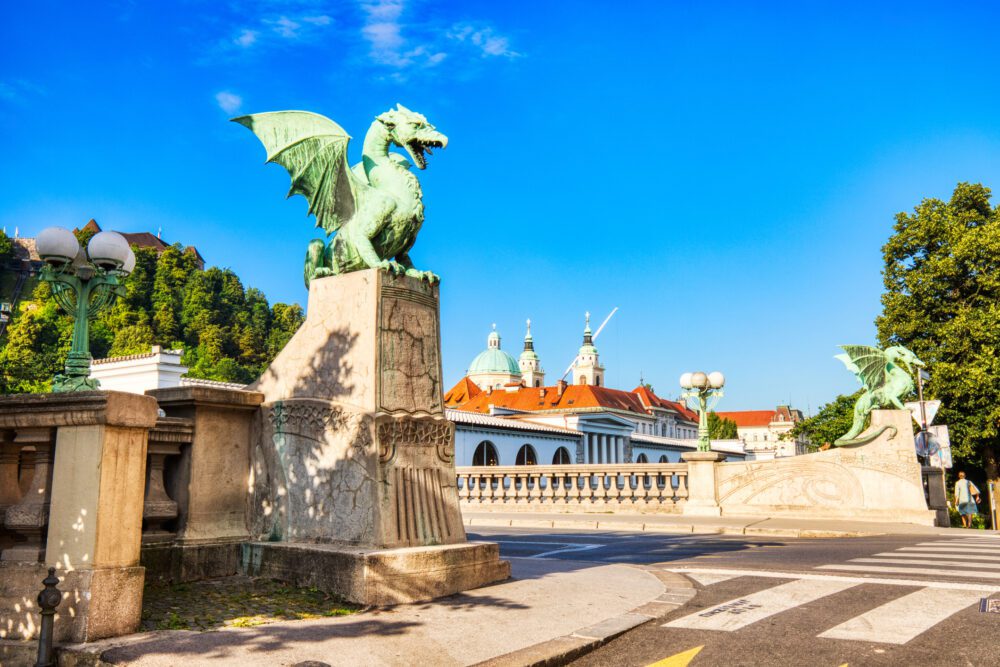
pixel 664 459
pixel 538 383
pixel 583 380
pixel 485 455
pixel 642 459
pixel 561 457
pixel 526 456
pixel 597 380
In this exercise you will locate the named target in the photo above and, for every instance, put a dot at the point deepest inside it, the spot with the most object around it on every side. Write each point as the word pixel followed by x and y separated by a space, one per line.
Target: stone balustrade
pixel 160 509
pixel 617 487
pixel 25 492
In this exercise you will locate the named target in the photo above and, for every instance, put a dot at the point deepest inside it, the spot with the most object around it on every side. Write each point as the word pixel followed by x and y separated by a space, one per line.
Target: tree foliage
pixel 6 248
pixel 720 428
pixel 228 333
pixel 942 300
pixel 832 421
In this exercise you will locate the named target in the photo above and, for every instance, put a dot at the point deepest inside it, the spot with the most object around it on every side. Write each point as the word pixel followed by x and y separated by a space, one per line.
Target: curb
pixel 659 527
pixel 677 591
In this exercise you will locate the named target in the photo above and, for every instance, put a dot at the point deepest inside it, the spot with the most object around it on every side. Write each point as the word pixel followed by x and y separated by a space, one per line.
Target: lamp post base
pixel 77 375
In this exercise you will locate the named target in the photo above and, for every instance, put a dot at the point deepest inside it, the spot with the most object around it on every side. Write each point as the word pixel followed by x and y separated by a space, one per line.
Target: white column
pixel 620 448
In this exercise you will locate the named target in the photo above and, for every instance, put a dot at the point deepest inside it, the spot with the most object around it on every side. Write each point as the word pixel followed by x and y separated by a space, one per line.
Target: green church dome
pixel 493 359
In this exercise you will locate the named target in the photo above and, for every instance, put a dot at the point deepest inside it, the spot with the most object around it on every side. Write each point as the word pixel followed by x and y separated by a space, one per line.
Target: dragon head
pixel 410 130
pixel 901 356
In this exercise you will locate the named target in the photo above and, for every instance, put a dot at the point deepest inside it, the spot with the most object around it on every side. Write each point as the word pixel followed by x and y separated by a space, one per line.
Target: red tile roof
pixel 749 418
pixel 574 397
pixel 465 390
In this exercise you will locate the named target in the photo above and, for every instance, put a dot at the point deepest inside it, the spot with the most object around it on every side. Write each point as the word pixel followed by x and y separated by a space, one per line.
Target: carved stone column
pixel 29 517
pixel 10 489
pixel 27 469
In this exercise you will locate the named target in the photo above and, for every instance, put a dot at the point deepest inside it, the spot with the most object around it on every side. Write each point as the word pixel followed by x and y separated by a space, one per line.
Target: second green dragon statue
pixel 887 377
pixel 376 207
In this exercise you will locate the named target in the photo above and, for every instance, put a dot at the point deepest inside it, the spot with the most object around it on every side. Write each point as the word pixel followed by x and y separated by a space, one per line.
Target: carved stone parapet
pixel 28 518
pixel 80 408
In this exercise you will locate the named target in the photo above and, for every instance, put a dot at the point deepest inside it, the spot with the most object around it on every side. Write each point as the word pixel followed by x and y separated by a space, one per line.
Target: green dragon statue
pixel 886 377
pixel 375 207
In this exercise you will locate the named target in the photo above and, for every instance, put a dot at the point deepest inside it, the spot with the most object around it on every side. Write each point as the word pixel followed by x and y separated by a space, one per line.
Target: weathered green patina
pixel 375 208
pixel 887 377
pixel 83 291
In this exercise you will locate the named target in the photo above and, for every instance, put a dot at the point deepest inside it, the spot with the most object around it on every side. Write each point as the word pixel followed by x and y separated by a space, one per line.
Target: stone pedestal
pixel 94 516
pixel 352 446
pixel 703 490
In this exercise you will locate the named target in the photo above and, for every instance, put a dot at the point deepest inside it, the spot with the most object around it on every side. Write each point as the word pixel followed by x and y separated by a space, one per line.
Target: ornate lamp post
pixel 704 387
pixel 84 282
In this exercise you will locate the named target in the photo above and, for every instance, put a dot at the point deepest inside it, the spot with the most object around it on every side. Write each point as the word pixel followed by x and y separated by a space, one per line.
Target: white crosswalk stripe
pixel 962 558
pixel 897 621
pixel 902 619
pixel 743 611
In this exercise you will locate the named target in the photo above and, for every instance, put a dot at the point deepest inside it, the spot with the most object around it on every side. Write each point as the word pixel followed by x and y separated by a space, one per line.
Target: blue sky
pixel 724 173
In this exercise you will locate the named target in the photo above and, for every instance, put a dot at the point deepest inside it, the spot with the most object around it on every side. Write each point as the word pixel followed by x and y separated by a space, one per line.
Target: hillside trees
pixel 942 300
pixel 228 333
pixel 720 428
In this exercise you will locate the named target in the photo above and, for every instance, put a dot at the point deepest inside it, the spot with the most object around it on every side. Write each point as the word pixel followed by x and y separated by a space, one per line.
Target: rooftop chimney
pixel 561 387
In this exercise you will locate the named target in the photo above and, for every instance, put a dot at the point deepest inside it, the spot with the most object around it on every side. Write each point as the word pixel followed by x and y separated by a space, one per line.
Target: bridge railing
pixel 625 487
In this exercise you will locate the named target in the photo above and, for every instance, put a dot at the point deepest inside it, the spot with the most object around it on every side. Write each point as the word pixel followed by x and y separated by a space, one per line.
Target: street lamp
pixel 703 386
pixel 84 282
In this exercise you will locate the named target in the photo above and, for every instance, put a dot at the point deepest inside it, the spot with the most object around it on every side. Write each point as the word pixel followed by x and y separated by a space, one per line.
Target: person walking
pixel 966 499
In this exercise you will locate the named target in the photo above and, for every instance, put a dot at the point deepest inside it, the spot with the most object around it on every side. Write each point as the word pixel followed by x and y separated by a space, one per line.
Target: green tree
pixel 832 421
pixel 942 300
pixel 6 248
pixel 720 428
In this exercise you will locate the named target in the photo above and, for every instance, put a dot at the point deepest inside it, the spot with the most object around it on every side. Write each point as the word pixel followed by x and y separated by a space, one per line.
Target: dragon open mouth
pixel 417 148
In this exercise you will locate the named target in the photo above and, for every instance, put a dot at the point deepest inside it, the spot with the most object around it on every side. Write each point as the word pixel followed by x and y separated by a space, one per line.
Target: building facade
pixel 763 431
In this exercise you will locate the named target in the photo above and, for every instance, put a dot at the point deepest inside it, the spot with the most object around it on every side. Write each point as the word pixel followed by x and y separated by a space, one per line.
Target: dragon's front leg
pixel 404 259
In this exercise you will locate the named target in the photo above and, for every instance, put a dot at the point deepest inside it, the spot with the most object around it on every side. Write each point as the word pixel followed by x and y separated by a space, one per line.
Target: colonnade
pixel 601 448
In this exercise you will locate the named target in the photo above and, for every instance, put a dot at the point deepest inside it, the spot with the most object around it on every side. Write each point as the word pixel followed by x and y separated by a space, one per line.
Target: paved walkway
pixel 550 607
pixel 725 525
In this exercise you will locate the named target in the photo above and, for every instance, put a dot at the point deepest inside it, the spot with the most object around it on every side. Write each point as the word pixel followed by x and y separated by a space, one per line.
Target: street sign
pixel 939 446
pixel 930 407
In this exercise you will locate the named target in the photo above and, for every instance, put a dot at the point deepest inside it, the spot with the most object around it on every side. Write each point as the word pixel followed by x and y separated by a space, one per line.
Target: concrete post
pixel 703 491
pixel 94 516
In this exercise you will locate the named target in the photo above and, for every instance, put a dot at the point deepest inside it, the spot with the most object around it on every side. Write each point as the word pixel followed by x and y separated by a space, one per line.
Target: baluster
pixel 29 517
pixel 158 507
pixel 682 490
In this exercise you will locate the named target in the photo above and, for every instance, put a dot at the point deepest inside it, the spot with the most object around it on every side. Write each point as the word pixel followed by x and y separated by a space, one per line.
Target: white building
pixel 762 431
pixel 498 414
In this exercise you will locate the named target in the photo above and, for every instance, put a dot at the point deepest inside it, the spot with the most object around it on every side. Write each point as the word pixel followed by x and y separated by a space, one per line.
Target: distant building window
pixel 485 455
pixel 642 459
pixel 526 456
pixel 664 459
pixel 597 380
pixel 583 380
pixel 538 383
pixel 561 457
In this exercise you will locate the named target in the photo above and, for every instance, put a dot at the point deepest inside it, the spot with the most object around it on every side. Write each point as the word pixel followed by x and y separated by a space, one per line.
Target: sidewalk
pixel 724 525
pixel 551 608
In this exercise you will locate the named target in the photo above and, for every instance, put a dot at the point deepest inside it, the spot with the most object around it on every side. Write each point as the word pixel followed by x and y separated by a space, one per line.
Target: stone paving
pixel 236 602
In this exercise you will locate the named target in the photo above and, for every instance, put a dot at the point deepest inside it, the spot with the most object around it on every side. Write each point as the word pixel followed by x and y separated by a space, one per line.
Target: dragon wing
pixel 868 363
pixel 314 151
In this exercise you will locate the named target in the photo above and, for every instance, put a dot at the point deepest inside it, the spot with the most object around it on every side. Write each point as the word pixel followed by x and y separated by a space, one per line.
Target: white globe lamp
pixel 57 246
pixel 686 381
pixel 699 380
pixel 716 379
pixel 108 250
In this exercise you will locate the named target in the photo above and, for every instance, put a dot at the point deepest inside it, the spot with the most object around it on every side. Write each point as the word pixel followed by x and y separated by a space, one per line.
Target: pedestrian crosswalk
pixel 893 613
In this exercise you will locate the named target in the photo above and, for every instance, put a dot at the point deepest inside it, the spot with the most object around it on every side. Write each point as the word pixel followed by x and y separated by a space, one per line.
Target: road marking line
pixel 974 547
pixel 568 549
pixel 935 554
pixel 743 611
pixel 810 576
pixel 973 574
pixel 905 561
pixel 679 659
pixel 706 579
pixel 955 550
pixel 902 619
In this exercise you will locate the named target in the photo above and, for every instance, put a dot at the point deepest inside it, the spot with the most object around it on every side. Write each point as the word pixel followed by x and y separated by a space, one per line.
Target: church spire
pixel 532 374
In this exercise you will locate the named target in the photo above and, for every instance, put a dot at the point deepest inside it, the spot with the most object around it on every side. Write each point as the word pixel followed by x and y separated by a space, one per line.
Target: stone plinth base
pixel 99 603
pixel 379 577
pixel 179 563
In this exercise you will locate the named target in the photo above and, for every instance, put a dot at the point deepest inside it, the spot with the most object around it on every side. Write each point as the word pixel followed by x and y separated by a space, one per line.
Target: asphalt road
pixel 895 600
